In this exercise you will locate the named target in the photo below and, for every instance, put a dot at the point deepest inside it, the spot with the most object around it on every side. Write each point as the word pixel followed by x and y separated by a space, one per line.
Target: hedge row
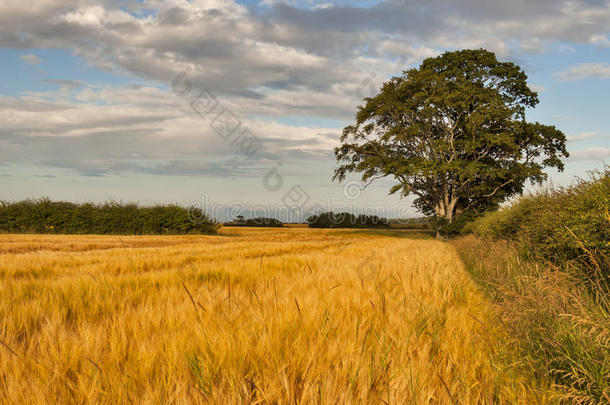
pixel 346 220
pixel 257 222
pixel 569 225
pixel 46 216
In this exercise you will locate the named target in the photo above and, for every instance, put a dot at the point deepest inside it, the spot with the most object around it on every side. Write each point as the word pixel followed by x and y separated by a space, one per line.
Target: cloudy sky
pixel 163 101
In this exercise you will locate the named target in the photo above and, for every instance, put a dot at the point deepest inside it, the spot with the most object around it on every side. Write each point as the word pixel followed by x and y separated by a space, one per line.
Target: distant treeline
pixel 346 220
pixel 46 216
pixel 410 223
pixel 257 222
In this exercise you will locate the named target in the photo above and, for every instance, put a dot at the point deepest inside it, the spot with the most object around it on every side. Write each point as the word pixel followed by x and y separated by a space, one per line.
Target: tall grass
pixel 544 260
pixel 280 316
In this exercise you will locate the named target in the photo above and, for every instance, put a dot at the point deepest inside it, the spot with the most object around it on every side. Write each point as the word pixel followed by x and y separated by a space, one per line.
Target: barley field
pixel 281 316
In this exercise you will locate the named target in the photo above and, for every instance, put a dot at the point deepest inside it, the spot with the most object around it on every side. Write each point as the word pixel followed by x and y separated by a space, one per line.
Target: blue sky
pixel 88 112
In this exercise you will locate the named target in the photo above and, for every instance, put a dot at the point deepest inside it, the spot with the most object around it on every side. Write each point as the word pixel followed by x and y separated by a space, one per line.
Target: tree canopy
pixel 453 132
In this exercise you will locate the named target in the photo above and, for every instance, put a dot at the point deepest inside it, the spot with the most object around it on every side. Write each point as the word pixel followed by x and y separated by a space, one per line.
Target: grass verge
pixel 544 263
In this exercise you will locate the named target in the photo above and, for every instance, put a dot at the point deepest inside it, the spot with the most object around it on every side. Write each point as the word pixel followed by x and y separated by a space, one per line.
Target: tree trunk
pixel 446 208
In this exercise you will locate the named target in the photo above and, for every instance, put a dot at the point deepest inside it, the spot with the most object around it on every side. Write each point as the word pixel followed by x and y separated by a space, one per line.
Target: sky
pixel 237 105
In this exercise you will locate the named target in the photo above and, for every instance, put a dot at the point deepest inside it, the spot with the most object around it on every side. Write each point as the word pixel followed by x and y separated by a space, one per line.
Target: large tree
pixel 453 133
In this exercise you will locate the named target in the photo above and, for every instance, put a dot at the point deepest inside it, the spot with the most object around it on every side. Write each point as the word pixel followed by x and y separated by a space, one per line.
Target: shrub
pixel 564 226
pixel 346 220
pixel 257 222
pixel 46 216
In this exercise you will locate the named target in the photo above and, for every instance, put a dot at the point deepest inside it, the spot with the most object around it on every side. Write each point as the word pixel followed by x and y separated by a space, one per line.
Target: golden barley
pixel 249 316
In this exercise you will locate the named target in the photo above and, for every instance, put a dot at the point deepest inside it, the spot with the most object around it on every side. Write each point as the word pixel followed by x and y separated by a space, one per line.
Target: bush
pixel 456 227
pixel 46 216
pixel 346 220
pixel 564 226
pixel 257 222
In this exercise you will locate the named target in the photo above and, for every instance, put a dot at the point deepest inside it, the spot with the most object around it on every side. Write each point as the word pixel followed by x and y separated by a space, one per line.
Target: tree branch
pixel 498 188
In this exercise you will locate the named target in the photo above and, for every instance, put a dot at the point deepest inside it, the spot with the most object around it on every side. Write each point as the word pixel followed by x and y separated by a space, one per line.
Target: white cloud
pixel 599 70
pixel 537 88
pixel 88 16
pixel 284 60
pixel 592 153
pixel 581 136
pixel 143 129
pixel 226 47
pixel 600 39
pixel 323 6
pixel 31 59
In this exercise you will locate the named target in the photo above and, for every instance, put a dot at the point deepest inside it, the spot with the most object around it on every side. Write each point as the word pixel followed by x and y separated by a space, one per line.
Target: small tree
pixel 453 133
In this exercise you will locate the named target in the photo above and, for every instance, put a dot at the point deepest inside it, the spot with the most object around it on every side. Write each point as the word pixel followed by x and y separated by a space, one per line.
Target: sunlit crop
pixel 249 316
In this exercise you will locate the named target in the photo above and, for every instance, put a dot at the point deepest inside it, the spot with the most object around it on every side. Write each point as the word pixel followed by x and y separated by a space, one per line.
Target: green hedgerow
pixel 567 225
pixel 46 216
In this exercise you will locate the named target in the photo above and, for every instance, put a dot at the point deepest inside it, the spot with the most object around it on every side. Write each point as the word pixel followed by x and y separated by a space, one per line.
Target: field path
pixel 249 316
